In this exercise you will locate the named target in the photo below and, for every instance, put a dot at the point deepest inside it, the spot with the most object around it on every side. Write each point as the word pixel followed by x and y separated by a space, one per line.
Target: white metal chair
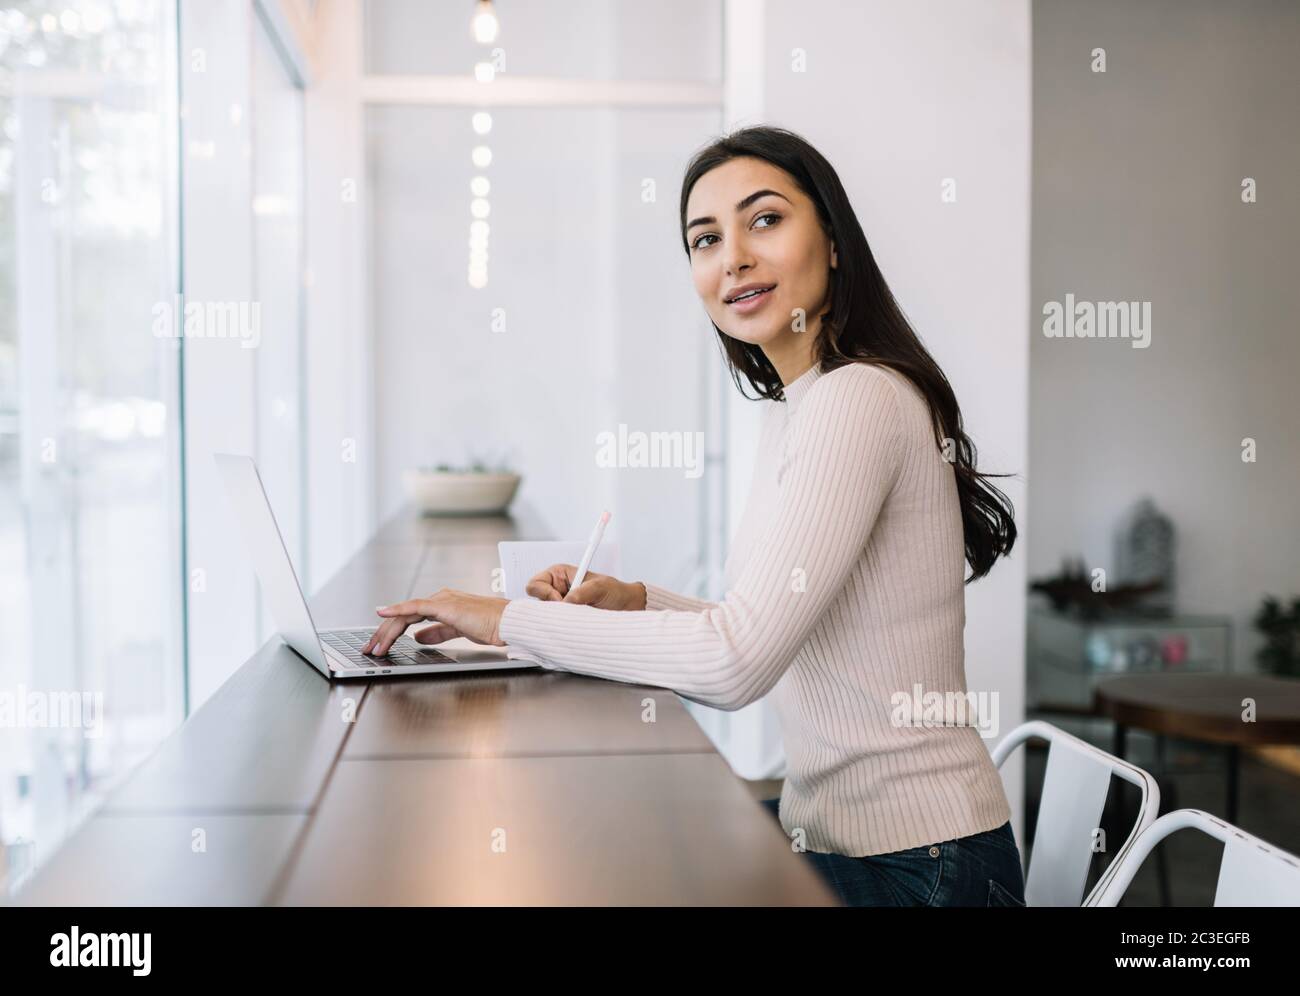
pixel 1069 813
pixel 1252 872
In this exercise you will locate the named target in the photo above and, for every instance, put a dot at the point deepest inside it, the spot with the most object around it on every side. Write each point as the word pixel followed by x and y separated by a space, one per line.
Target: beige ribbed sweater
pixel 844 587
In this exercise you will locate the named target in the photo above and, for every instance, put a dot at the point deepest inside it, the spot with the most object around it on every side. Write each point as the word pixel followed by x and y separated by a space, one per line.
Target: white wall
pixel 898 96
pixel 339 352
pixel 1137 196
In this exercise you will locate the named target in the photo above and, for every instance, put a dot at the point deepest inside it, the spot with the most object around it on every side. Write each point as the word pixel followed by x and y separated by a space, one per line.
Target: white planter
pixel 447 493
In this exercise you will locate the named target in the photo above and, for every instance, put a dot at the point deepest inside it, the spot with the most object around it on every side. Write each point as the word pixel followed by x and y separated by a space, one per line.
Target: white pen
pixel 590 552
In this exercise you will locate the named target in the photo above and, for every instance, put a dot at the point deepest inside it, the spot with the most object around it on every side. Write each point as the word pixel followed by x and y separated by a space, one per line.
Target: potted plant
pixel 1280 654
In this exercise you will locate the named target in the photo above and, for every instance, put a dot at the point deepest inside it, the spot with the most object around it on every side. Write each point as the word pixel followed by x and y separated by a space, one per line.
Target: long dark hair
pixel 864 324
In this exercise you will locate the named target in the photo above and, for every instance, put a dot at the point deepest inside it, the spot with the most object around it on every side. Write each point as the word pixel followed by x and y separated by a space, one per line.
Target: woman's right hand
pixel 555 584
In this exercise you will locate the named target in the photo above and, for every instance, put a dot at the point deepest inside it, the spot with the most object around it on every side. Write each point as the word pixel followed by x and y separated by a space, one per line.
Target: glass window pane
pixel 90 659
pixel 277 288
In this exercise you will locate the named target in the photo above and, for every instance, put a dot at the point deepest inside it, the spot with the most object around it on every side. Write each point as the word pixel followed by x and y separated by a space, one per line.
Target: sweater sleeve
pixel 842 455
pixel 657 598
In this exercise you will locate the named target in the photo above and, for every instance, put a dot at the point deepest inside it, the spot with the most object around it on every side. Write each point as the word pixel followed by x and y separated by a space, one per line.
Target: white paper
pixel 521 559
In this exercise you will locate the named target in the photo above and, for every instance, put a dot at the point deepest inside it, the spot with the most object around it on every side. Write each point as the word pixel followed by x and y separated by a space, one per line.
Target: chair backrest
pixel 1069 813
pixel 1252 872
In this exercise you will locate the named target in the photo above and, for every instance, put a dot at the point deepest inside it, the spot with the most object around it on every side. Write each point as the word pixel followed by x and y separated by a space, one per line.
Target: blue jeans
pixel 980 870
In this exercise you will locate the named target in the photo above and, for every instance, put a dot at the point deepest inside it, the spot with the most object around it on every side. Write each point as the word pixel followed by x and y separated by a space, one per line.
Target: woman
pixel 844 580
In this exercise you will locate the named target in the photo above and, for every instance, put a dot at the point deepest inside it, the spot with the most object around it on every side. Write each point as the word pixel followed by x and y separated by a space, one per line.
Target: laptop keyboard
pixel 404 652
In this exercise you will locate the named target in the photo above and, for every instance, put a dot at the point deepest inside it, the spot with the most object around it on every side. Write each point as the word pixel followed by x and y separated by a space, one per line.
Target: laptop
pixel 335 653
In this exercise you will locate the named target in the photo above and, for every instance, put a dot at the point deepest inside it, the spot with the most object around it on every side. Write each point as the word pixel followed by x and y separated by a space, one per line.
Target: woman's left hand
pixel 454 613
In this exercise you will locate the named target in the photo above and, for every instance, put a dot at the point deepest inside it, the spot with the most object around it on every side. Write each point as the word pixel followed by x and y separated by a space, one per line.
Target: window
pixel 91 665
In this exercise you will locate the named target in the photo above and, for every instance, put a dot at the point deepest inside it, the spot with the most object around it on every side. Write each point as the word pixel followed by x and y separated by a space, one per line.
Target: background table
pixel 1205 707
